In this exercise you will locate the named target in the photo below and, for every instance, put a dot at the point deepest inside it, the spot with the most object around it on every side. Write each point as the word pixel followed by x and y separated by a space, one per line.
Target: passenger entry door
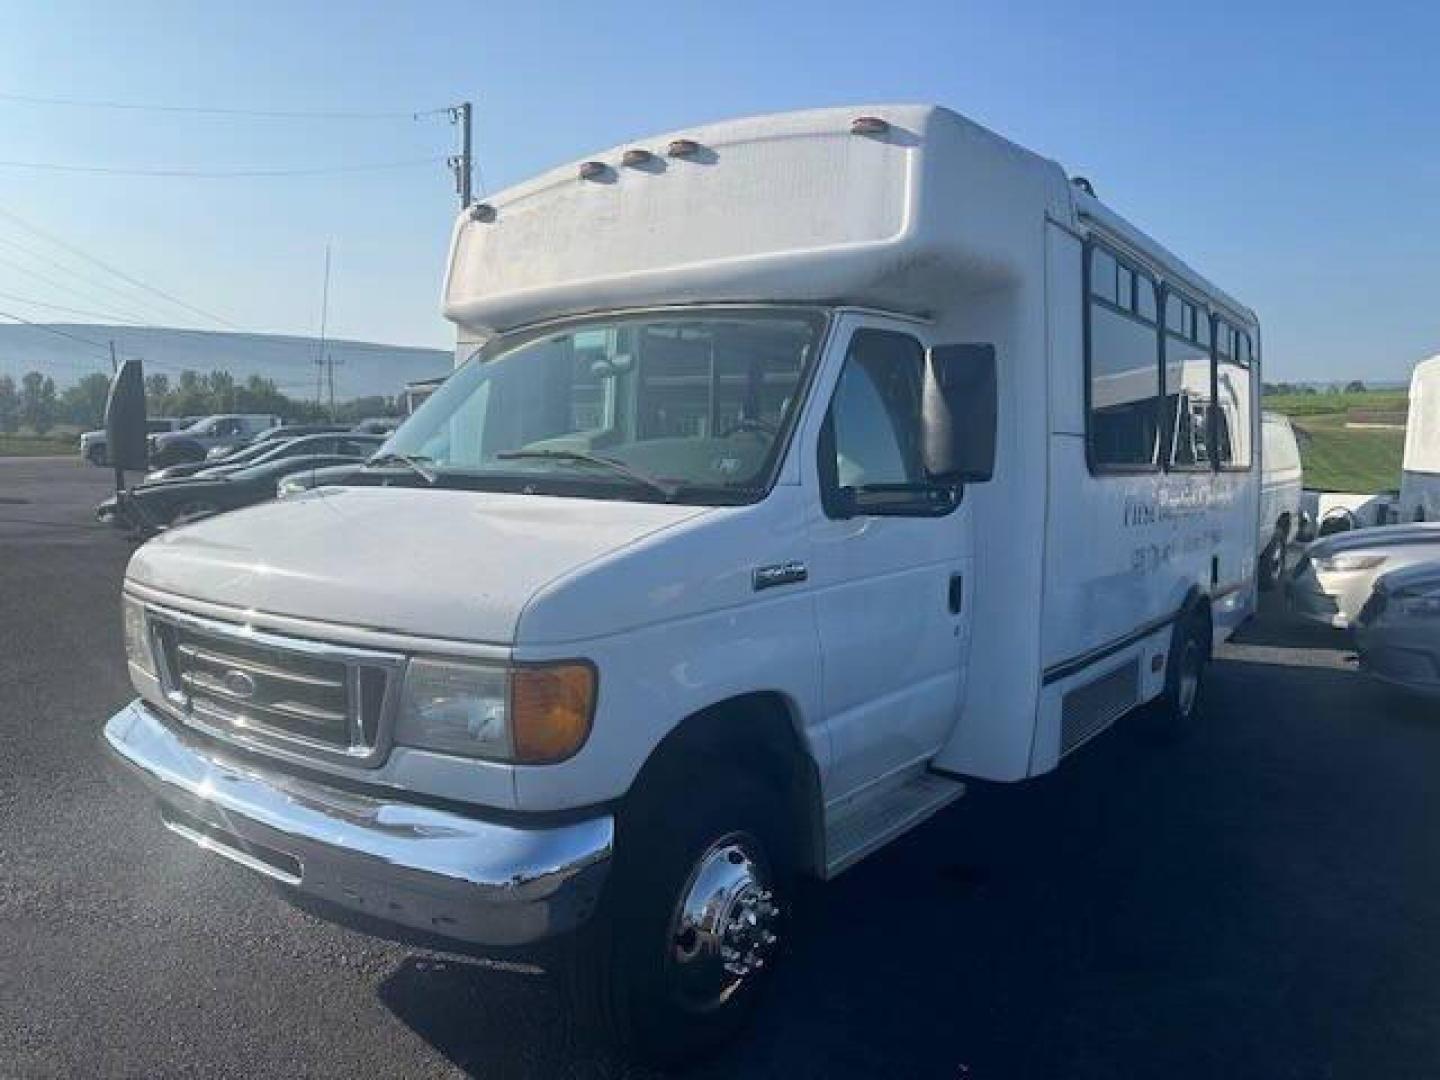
pixel 889 556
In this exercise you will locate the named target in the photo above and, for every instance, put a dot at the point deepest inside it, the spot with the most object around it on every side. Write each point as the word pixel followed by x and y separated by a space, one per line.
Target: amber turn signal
pixel 551 706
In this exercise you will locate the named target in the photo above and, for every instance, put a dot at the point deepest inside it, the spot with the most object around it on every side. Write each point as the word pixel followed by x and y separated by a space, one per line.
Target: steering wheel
pixel 745 423
pixel 1337 519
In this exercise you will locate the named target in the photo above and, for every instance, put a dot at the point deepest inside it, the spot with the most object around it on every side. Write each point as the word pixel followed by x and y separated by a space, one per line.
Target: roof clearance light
pixel 683 148
pixel 482 211
pixel 636 157
pixel 592 170
pixel 869 125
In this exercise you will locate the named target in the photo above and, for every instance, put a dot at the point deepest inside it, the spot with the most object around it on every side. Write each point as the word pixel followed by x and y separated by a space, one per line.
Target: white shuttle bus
pixel 1420 480
pixel 805 466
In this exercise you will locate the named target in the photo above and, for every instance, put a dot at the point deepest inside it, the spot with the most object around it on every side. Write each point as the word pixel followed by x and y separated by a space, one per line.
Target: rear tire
pixel 96 455
pixel 1190 646
pixel 1272 563
pixel 687 933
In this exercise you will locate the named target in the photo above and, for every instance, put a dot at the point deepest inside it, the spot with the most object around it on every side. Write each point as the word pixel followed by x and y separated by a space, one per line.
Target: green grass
pixel 35 446
pixel 1340 458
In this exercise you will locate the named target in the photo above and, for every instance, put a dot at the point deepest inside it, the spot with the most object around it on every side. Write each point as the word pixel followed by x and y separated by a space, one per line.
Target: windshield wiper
pixel 414 462
pixel 666 490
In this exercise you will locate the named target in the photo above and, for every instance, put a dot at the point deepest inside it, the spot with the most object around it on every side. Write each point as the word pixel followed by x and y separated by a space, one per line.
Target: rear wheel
pixel 688 932
pixel 1272 562
pixel 96 455
pixel 1184 673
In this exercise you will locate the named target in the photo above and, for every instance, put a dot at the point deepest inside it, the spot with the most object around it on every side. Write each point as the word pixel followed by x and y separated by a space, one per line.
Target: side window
pixel 1233 396
pixel 1122 359
pixel 1187 385
pixel 872 431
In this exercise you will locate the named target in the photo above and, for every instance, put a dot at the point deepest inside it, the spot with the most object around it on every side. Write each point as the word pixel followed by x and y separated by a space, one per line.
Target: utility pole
pixel 321 359
pixel 460 164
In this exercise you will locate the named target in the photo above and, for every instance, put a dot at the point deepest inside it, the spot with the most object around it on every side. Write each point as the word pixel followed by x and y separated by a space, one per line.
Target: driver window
pixel 875 412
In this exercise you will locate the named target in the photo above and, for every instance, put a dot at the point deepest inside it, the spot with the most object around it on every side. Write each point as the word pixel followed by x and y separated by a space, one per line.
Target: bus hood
pixel 434 563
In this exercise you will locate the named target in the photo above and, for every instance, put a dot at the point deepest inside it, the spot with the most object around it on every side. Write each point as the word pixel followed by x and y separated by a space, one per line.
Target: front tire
pixel 688 931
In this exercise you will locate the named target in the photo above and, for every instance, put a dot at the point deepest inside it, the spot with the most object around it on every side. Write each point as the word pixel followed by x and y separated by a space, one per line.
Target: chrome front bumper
pixel 475 881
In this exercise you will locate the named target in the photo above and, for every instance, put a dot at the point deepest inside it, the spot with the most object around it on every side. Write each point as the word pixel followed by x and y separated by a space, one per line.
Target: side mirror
pixel 959 404
pixel 125 432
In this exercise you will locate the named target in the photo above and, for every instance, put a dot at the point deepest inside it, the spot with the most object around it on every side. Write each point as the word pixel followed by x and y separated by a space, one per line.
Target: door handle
pixel 957 593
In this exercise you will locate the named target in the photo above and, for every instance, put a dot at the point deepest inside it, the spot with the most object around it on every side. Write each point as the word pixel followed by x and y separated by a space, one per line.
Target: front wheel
pixel 691 922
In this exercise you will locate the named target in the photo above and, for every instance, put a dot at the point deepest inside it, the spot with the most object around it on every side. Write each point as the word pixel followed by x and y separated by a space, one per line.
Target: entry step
pixel 873 821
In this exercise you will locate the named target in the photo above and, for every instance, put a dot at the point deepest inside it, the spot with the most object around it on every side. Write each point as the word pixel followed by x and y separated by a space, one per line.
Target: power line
pixel 70 310
pixel 35 229
pixel 67 292
pixel 220 174
pixel 205 110
pixel 90 281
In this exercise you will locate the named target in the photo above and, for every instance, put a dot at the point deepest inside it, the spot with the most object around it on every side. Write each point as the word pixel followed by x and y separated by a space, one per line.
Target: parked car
pixel 695 579
pixel 238 456
pixel 177 502
pixel 1335 576
pixel 1397 633
pixel 196 441
pixel 377 425
pixel 350 446
pixel 333 476
pixel 281 431
pixel 95 449
pixel 1281 487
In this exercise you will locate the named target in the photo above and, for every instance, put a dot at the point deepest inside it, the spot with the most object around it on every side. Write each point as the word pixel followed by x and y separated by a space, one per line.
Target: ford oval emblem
pixel 240 684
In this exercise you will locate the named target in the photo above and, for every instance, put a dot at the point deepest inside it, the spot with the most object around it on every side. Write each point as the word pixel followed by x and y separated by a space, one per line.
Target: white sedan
pixel 1336 575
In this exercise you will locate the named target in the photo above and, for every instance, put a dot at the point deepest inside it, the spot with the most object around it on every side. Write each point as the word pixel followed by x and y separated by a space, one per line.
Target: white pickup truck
pixel 797 468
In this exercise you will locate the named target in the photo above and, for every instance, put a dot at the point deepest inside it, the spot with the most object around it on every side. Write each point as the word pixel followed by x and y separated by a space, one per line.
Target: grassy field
pixel 36 446
pixel 1341 458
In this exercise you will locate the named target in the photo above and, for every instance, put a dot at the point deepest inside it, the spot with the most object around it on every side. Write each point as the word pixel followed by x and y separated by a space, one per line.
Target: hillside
pixel 362 368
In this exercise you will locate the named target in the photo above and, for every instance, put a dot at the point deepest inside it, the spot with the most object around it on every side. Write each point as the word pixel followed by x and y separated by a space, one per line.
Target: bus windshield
pixel 692 407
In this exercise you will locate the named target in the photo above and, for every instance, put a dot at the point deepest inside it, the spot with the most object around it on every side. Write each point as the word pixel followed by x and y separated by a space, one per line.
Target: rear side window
pixel 1122 354
pixel 1233 393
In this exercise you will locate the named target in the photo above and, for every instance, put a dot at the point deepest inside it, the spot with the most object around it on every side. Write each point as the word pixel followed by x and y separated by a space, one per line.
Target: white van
pixel 1420 480
pixel 804 467
pixel 1282 484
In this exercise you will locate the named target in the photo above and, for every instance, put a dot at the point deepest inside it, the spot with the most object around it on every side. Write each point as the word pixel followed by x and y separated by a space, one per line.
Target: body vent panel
pixel 1087 710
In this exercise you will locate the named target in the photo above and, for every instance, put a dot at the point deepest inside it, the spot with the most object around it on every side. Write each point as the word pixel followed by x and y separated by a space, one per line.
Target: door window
pixel 871 442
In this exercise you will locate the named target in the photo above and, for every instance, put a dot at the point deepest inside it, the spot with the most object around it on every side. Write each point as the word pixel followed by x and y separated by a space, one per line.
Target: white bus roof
pixel 795 207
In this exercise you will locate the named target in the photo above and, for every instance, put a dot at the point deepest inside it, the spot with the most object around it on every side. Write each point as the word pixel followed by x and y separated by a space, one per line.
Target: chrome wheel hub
pixel 724 928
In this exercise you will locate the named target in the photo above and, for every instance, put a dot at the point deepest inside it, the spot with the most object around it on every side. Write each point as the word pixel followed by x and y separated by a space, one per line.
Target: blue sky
pixel 1289 151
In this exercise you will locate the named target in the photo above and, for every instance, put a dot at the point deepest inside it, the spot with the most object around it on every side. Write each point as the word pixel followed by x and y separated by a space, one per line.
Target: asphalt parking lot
pixel 1260 900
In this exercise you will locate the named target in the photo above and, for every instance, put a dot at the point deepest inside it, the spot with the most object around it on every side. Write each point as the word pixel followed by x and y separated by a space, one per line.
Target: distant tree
pixel 157 394
pixel 84 403
pixel 1355 386
pixel 221 385
pixel 37 401
pixel 9 405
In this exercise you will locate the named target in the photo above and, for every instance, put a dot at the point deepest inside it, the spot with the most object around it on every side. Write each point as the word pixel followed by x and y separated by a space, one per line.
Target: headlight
pixel 137 636
pixel 531 715
pixel 288 486
pixel 1343 563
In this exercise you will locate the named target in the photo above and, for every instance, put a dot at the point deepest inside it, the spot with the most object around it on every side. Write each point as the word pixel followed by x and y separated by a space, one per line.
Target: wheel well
pixel 755 733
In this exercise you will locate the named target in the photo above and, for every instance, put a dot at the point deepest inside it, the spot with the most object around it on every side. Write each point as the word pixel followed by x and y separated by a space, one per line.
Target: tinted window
pixel 1102 274
pixel 1124 421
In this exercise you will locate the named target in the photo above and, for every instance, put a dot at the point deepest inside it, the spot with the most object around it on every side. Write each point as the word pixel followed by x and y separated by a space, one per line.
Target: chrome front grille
pixel 275 692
